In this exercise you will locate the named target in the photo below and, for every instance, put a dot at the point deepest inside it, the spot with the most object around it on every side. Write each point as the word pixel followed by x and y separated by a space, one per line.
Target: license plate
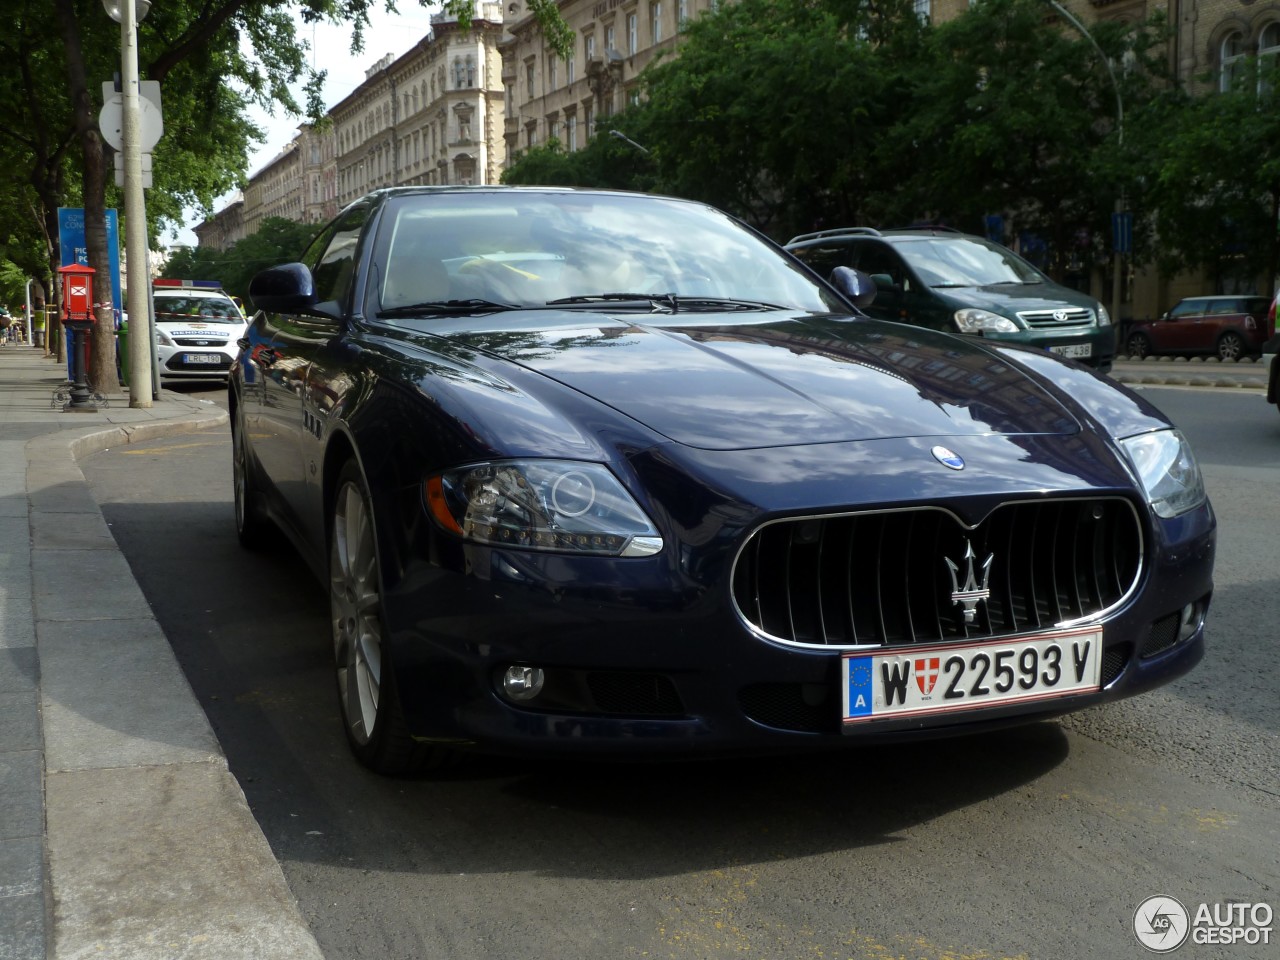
pixel 202 358
pixel 1073 350
pixel 949 678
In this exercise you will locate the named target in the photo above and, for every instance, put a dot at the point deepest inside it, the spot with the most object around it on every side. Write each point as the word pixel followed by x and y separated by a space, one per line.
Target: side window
pixel 332 256
pixel 1187 308
pixel 825 257
pixel 876 258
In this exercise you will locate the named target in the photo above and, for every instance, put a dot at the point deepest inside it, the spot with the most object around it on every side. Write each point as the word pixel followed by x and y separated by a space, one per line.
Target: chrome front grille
pixel 919 575
pixel 1065 317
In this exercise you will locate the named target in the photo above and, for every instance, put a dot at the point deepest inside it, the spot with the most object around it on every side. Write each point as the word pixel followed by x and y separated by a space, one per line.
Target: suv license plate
pixel 202 358
pixel 1073 350
pixel 949 678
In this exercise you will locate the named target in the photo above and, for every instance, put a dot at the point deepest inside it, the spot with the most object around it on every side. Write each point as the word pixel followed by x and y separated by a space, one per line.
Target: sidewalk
pixel 122 832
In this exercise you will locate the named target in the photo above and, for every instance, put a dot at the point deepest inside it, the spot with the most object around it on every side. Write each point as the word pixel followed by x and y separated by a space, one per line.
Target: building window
pixel 571 133
pixel 589 46
pixel 528 76
pixel 609 38
pixel 553 72
pixel 921 8
pixel 589 119
pixel 569 75
pixel 471 70
pixel 1268 58
pixel 682 12
pixel 633 34
pixel 655 21
pixel 1230 60
pixel 553 129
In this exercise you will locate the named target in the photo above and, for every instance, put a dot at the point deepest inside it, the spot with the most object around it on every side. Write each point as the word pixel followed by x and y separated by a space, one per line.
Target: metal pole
pixel 1117 258
pixel 30 321
pixel 140 328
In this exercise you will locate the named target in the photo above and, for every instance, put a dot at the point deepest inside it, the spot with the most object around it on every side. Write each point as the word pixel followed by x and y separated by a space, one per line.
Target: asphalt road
pixel 1039 842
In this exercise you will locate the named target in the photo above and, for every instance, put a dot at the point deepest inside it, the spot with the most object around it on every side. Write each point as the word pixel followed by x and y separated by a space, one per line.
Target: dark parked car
pixel 940 278
pixel 606 472
pixel 1227 327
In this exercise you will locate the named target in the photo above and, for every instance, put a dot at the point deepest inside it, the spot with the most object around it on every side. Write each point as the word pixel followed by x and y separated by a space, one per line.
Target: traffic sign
pixel 150 116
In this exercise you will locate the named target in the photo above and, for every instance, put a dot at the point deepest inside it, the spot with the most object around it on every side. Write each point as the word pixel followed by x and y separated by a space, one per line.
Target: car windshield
pixel 492 250
pixel 965 262
pixel 171 309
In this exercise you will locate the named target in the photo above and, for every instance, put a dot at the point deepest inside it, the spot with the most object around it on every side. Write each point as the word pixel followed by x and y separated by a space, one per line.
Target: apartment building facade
pixel 431 116
pixel 566 98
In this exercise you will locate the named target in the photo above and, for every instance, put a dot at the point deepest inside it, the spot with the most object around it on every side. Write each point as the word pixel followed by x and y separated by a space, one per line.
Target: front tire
pixel 1138 346
pixel 367 690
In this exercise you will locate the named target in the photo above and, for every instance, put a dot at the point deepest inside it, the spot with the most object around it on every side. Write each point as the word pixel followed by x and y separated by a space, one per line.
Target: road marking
pixel 176 446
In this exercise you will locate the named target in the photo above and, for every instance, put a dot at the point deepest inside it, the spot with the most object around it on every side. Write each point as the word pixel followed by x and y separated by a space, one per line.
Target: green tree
pixel 1019 114
pixel 276 241
pixel 777 110
pixel 605 161
pixel 1210 177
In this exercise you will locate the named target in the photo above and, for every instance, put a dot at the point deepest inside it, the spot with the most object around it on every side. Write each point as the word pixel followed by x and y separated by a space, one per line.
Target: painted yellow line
pixel 177 446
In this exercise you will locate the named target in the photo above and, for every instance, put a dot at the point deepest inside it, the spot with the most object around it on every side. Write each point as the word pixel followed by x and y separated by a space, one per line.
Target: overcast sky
pixel 331 51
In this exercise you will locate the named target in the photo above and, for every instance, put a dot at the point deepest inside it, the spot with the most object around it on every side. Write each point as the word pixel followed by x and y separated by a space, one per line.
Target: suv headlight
pixel 1104 318
pixel 560 506
pixel 1168 471
pixel 972 320
pixel 164 339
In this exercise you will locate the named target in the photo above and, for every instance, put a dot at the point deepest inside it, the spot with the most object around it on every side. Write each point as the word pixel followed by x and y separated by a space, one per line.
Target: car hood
pixel 727 383
pixel 1006 299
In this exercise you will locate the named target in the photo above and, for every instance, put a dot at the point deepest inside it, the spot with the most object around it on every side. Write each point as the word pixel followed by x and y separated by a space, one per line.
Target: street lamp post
pixel 1117 262
pixel 127 13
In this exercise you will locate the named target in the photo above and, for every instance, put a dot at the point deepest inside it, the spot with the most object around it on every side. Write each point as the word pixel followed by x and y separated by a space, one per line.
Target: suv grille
pixel 892 578
pixel 1066 317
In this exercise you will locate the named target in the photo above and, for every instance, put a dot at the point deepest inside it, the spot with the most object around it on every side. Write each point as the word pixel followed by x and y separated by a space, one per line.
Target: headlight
pixel 163 338
pixel 1167 470
pixel 560 506
pixel 970 320
pixel 1104 318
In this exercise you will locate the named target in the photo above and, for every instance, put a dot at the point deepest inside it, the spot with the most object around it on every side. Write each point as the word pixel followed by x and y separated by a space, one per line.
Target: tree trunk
pixel 101 373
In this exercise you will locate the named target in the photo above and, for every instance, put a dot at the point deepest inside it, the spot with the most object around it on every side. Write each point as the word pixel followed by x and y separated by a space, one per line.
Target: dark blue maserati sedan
pixel 590 471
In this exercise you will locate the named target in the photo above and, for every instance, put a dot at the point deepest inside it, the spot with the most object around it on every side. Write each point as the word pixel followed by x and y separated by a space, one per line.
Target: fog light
pixel 523 683
pixel 1189 622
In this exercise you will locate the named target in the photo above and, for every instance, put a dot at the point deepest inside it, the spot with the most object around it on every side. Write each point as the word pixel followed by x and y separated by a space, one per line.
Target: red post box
pixel 77 314
pixel 77 293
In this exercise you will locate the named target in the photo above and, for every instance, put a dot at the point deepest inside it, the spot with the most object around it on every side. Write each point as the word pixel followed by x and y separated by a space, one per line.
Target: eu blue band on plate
pixel 859 686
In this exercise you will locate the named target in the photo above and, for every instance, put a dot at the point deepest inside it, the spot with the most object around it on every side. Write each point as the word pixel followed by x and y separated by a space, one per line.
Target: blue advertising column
pixel 74 249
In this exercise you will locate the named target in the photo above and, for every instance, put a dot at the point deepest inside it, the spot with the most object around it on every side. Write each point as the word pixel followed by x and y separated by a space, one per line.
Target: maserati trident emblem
pixel 971 592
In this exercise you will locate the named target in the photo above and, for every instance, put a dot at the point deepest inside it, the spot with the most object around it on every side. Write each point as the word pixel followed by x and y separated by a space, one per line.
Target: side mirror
pixel 285 289
pixel 855 285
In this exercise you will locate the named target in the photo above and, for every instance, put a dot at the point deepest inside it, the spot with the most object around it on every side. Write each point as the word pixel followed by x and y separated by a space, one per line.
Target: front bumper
pixel 646 660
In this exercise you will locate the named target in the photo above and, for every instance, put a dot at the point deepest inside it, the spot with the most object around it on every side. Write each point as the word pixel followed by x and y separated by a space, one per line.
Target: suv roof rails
pixel 835 232
pixel 926 227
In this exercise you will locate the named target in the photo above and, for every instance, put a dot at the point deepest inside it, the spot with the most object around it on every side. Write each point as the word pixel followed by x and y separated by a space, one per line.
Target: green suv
pixel 947 280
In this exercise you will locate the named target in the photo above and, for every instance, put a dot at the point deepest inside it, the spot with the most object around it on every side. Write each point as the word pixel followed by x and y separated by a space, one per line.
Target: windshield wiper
pixel 654 299
pixel 725 303
pixel 447 306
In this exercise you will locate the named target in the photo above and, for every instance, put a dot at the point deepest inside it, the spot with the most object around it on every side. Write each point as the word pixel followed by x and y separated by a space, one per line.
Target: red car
pixel 1227 327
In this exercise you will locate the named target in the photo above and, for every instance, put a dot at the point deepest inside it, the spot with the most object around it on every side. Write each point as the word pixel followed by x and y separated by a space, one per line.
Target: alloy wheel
pixel 356 612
